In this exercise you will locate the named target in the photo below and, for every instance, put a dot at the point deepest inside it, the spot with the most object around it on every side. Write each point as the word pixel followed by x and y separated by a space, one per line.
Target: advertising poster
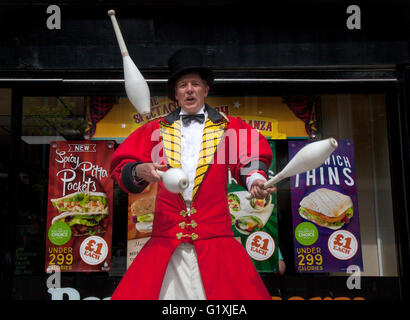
pixel 79 206
pixel 141 207
pixel 255 223
pixel 325 213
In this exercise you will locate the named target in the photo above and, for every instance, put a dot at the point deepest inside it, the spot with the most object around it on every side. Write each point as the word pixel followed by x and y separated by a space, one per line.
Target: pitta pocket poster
pixel 79 206
pixel 255 223
pixel 325 213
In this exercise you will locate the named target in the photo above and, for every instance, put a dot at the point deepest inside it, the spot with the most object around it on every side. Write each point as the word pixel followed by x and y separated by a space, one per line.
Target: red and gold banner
pixel 79 206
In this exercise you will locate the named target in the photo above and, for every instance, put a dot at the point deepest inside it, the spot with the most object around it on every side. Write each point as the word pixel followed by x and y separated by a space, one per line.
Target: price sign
pixel 260 245
pixel 342 244
pixel 93 250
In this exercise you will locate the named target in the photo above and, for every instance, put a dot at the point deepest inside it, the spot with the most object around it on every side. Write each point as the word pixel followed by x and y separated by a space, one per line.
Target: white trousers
pixel 182 280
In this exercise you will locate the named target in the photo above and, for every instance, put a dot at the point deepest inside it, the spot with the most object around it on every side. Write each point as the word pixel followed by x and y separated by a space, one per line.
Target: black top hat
pixel 185 61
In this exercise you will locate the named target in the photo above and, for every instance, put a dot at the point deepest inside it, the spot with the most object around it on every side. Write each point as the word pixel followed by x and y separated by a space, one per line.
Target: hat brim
pixel 205 73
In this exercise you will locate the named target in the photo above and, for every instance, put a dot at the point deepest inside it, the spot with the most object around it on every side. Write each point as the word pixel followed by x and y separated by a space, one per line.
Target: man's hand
pixel 258 192
pixel 147 171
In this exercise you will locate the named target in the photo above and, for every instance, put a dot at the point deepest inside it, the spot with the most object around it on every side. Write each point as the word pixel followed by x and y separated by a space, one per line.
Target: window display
pixel 361 229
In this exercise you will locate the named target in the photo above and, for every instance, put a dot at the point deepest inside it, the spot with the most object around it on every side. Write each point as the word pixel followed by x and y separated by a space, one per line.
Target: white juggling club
pixel 174 179
pixel 310 157
pixel 135 85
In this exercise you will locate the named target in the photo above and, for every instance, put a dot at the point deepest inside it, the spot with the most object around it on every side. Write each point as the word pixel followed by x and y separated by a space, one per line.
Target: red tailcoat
pixel 226 270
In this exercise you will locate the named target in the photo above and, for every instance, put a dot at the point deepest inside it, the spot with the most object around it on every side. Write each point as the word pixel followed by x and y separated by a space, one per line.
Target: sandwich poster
pixel 325 213
pixel 255 223
pixel 141 208
pixel 79 206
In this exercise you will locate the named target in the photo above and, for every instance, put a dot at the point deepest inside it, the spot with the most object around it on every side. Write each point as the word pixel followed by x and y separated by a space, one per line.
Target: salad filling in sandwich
pixel 82 202
pixel 327 208
pixel 234 202
pixel 248 224
pixel 85 213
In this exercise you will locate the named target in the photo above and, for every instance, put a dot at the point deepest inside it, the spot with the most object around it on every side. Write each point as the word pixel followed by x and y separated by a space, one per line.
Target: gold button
pixel 189 212
pixel 180 235
pixel 183 224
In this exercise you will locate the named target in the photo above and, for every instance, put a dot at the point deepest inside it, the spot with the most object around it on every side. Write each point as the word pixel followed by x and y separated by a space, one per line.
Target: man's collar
pixel 201 111
pixel 213 115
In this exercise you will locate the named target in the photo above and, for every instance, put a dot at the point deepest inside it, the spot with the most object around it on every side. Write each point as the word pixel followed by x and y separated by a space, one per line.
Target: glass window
pixel 360 117
pixel 363 119
pixel 47 119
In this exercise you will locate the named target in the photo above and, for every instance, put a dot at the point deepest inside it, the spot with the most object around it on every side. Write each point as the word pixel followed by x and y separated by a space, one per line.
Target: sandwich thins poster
pixel 325 213
pixel 79 206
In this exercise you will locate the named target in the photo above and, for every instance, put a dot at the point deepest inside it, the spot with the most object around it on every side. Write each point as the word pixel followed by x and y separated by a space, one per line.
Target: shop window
pixel 48 120
pixel 363 119
pixel 360 118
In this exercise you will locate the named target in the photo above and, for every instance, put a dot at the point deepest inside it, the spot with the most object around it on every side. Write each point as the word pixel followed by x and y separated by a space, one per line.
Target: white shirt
pixel 182 278
pixel 191 139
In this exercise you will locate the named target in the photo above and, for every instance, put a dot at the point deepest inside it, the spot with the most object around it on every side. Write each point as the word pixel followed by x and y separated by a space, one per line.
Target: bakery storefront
pixel 339 231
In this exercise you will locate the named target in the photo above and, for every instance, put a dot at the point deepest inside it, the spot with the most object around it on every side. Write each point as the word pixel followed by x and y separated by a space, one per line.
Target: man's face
pixel 190 92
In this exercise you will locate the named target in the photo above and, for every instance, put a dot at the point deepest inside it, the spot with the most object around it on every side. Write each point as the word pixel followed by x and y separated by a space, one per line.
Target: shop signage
pixel 269 115
pixel 325 213
pixel 79 206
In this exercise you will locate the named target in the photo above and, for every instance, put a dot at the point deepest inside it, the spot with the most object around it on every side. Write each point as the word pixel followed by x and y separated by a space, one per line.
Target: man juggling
pixel 192 253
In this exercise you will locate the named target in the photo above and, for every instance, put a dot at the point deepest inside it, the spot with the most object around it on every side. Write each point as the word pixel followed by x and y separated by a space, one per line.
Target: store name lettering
pixel 70 293
pixel 156 111
pixel 73 294
pixel 335 169
pixel 53 284
pixel 69 175
pixel 261 125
